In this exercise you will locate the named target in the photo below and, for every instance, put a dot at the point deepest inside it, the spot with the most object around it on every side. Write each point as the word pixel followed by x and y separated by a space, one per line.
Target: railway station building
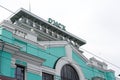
pixel 32 48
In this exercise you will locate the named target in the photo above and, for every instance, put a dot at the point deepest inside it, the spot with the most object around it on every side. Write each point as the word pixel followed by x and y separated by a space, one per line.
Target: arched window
pixel 69 73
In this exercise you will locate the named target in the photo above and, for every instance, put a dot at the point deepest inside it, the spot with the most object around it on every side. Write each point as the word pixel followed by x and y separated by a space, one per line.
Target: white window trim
pixel 64 60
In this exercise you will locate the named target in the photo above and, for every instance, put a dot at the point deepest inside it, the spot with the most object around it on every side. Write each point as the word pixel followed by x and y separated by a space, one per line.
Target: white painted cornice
pixel 53 43
pixel 102 69
pixel 80 53
pixel 64 44
pixel 48 70
pixel 17 54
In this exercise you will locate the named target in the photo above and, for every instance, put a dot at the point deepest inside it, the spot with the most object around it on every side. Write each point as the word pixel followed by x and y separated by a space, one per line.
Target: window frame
pixel 67 72
pixel 47 76
pixel 17 74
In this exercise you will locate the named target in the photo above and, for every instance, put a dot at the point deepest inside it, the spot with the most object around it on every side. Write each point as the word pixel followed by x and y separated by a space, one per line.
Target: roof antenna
pixel 29 6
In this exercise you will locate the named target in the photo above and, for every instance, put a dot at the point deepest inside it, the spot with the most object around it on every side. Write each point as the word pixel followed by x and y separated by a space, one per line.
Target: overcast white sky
pixel 96 21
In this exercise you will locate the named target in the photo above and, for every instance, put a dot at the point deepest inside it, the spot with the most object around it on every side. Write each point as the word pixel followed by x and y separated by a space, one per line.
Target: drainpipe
pixel 2 49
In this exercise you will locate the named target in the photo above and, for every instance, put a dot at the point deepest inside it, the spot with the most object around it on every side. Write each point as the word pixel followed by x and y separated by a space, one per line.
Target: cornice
pixel 104 70
pixel 17 54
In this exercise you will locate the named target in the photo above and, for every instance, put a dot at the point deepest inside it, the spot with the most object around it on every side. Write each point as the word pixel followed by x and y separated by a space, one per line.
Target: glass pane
pixel 20 73
pixel 69 73
pixel 47 76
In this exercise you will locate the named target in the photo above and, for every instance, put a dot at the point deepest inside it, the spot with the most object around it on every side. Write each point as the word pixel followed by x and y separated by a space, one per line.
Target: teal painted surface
pixel 6 35
pixel 6 64
pixel 13 72
pixel 110 76
pixel 32 49
pixel 87 71
pixel 32 76
pixel 50 62
pixel 57 51
pixel 21 44
pixel 1 30
pixel 51 55
pixel 20 62
pixel 90 72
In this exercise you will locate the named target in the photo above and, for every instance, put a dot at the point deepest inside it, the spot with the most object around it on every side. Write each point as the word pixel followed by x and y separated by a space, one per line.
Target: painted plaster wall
pixel 90 72
pixel 32 76
pixel 6 35
pixel 51 55
pixel 5 63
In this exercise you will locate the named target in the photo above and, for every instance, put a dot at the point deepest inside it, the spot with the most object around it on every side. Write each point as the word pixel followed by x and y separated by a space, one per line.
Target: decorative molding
pixel 29 41
pixel 97 61
pixel 34 69
pixel 48 70
pixel 53 43
pixel 67 45
pixel 13 63
pixel 104 70
pixel 9 47
pixel 64 60
pixel 32 18
pixel 80 53
pixel 17 54
pixel 11 27
pixel 28 58
pixel 41 44
pixel 68 51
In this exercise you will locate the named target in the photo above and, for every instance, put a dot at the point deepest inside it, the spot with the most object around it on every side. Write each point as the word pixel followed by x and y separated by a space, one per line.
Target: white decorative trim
pixel 28 58
pixel 68 51
pixel 11 27
pixel 94 63
pixel 34 69
pixel 8 47
pixel 33 62
pixel 48 70
pixel 79 52
pixel 17 54
pixel 65 60
pixel 13 63
pixel 52 43
pixel 69 48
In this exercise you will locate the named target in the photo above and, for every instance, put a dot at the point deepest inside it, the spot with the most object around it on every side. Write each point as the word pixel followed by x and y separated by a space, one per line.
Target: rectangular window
pixel 20 72
pixel 46 76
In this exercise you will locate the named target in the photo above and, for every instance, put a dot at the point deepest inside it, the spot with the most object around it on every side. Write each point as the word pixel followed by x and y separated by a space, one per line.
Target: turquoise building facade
pixel 34 49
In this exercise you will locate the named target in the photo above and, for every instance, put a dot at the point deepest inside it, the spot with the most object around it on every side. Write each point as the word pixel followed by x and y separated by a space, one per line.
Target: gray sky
pixel 96 21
